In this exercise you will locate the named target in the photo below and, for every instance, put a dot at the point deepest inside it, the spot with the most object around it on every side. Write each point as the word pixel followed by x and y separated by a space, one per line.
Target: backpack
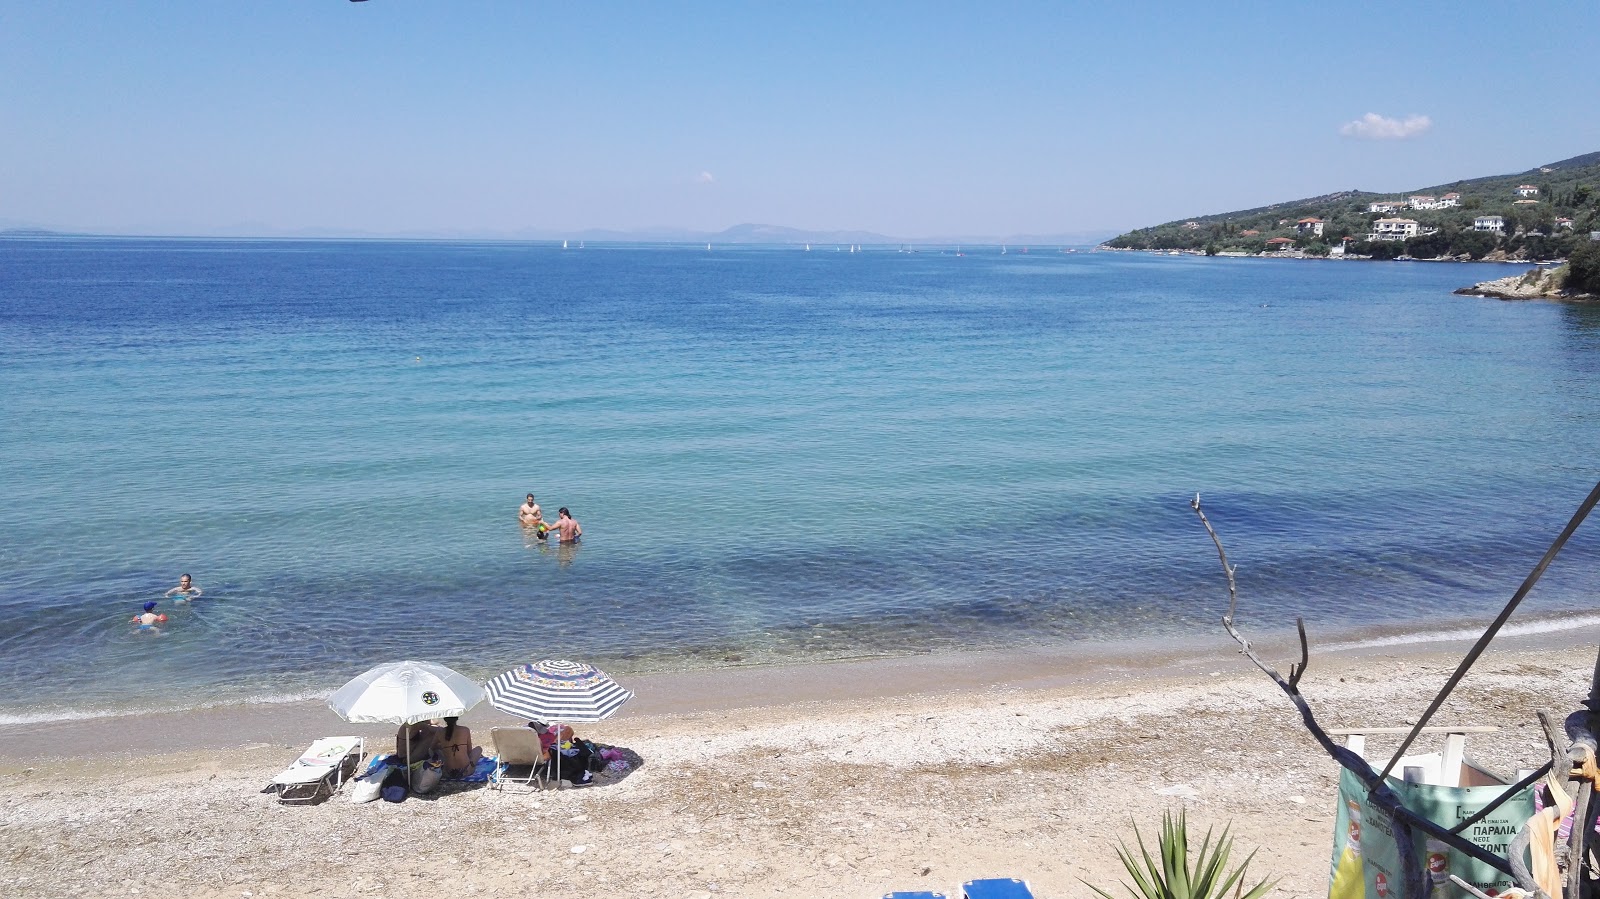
pixel 395 787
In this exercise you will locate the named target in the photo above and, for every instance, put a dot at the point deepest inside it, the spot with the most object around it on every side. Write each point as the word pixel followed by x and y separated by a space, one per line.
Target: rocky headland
pixel 1542 283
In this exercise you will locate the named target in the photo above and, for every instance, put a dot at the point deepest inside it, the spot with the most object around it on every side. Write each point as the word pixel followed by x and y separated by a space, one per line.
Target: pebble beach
pixel 918 775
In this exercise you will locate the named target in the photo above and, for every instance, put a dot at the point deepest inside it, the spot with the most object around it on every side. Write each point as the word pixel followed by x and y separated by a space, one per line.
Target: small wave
pixel 1528 628
pixel 46 716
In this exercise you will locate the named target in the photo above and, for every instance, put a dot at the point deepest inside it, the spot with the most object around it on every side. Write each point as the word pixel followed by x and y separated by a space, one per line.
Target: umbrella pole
pixel 557 748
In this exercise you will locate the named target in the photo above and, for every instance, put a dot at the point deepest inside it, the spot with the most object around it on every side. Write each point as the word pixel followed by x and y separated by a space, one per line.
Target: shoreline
pixel 743 686
pixel 852 785
pixel 1296 254
pixel 225 726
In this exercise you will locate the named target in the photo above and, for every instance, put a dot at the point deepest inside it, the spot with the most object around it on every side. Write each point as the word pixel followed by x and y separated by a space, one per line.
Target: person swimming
pixel 185 591
pixel 149 618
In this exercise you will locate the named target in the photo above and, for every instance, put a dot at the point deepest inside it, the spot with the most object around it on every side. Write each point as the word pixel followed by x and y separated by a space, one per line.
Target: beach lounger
pixel 517 763
pixel 320 771
pixel 996 888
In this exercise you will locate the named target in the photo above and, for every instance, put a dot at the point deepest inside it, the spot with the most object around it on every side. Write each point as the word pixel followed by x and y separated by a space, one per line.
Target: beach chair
pixel 996 888
pixel 517 762
pixel 320 771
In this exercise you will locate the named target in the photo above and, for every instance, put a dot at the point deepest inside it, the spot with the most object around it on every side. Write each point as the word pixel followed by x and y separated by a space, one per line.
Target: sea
pixel 777 456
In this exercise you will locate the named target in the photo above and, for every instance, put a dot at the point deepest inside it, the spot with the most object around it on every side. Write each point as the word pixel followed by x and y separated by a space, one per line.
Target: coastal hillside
pixel 1543 213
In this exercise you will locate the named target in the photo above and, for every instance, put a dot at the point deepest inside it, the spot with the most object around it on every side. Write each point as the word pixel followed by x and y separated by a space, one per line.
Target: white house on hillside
pixel 1491 223
pixel 1527 190
pixel 1423 202
pixel 1309 226
pixel 1449 200
pixel 1393 229
pixel 1385 206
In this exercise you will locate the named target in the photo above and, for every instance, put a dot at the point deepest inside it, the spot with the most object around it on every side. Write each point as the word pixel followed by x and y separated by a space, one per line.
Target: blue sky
pixel 909 119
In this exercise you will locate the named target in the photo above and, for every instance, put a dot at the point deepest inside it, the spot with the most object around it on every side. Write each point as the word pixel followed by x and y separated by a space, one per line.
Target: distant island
pixel 1546 213
pixel 749 233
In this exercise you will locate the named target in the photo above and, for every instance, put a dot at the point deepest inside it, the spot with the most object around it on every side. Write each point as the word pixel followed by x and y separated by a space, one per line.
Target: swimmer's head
pixel 149 607
pixel 184 580
pixel 530 497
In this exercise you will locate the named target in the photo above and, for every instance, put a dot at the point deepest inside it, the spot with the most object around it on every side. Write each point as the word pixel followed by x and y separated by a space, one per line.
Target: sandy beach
pixel 843 780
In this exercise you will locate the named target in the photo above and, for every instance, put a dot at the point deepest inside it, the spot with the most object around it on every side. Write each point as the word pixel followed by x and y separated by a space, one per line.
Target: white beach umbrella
pixel 405 693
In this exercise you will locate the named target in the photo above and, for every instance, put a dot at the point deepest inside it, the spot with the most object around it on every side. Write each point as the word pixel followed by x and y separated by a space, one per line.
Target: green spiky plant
pixel 1171 876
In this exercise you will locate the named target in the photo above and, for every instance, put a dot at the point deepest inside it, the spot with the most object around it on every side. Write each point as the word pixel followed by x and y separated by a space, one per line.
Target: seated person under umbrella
pixel 456 749
pixel 416 742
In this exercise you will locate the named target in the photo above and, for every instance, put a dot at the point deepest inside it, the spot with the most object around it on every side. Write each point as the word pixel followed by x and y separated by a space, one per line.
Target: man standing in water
pixel 530 513
pixel 566 528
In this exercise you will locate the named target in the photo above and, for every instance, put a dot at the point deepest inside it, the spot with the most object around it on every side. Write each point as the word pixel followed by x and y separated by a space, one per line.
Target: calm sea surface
pixel 776 455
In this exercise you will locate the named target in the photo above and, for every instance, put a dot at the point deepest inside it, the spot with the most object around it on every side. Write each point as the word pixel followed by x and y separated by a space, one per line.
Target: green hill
pixel 1544 224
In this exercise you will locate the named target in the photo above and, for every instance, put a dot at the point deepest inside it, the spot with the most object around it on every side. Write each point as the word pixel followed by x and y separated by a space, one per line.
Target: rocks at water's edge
pixel 1534 284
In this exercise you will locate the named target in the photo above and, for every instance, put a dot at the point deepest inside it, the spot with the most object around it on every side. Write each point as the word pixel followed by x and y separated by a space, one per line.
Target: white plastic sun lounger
pixel 517 761
pixel 321 770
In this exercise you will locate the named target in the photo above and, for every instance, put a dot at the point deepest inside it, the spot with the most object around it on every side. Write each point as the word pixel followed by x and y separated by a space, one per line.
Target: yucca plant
pixel 1171 877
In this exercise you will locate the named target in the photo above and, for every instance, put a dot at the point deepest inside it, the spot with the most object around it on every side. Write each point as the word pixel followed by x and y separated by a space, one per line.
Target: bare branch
pixel 1402 820
pixel 1296 671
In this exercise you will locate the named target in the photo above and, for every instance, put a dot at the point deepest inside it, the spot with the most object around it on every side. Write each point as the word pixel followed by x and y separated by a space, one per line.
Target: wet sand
pixel 847 779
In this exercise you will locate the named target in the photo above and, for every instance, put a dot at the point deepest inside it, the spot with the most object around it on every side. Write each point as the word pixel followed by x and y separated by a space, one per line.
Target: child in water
pixel 148 619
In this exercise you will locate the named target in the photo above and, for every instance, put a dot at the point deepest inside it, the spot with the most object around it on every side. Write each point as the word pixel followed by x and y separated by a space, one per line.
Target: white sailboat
pixel 808 248
pixel 708 247
pixel 563 245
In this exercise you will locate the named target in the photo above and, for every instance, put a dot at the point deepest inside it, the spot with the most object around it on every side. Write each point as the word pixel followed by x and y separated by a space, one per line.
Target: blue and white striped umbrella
pixel 557 690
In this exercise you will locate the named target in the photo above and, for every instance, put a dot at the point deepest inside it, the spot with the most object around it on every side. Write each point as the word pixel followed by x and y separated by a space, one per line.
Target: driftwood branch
pixel 1403 821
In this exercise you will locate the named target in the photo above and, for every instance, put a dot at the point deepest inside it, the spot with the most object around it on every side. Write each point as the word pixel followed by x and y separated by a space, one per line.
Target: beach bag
pixel 394 786
pixel 425 776
pixel 367 787
pixel 597 762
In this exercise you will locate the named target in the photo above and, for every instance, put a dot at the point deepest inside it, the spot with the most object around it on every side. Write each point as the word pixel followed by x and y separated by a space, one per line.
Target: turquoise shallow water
pixel 776 455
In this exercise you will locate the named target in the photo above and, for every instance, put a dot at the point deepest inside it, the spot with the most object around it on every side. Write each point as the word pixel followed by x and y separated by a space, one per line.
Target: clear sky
pixel 909 119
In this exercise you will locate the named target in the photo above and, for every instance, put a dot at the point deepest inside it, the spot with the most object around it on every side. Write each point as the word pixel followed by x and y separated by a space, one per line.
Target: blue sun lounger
pixel 996 888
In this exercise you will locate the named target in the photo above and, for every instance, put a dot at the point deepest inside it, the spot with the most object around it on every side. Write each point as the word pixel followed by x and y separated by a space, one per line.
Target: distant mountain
pixel 29 232
pixel 1542 212
pixel 748 233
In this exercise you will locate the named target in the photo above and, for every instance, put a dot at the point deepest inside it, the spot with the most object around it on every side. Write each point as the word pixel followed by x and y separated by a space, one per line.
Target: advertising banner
pixel 1366 860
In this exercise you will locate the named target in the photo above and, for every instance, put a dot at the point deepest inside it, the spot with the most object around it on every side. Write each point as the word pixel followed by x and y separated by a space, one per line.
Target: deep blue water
pixel 775 455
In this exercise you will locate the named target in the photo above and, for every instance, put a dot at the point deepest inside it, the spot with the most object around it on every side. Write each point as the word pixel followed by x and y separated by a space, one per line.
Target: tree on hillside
pixel 1428 246
pixel 1583 268
pixel 1476 244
